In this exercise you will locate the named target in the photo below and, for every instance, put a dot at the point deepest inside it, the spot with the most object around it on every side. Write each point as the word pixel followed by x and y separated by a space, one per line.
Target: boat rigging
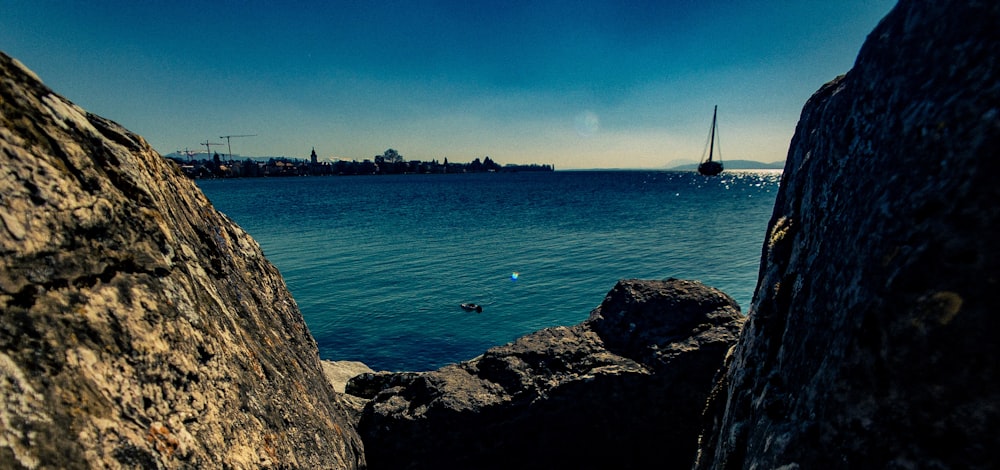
pixel 711 167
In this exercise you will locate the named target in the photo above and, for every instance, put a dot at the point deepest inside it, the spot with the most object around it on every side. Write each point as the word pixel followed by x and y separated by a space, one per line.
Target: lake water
pixel 380 264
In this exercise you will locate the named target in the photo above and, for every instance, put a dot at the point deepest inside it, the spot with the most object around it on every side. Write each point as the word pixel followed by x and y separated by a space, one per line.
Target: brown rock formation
pixel 623 390
pixel 872 342
pixel 140 327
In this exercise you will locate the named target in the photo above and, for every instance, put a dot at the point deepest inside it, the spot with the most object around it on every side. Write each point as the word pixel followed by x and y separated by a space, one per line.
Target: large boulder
pixel 140 327
pixel 872 339
pixel 625 389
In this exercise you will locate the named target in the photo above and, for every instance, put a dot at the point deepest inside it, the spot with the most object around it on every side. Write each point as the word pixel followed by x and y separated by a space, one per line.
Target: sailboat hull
pixel 710 168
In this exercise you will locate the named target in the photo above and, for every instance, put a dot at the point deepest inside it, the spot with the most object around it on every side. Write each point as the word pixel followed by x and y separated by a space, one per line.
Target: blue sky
pixel 610 84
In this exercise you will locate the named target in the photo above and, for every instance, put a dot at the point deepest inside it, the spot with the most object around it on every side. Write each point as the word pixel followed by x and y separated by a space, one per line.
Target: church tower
pixel 313 157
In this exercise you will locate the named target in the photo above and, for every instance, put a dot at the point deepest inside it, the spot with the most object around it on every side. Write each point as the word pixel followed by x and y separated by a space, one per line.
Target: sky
pixel 576 84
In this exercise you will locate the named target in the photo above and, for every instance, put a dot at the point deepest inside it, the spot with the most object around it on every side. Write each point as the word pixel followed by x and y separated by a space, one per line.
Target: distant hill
pixel 737 165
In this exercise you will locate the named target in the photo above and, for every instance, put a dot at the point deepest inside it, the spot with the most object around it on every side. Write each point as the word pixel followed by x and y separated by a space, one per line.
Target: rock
pixel 624 389
pixel 339 372
pixel 871 342
pixel 140 327
pixel 369 384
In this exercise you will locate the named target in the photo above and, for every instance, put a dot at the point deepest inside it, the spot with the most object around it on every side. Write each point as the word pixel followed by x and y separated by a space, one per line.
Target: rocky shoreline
pixel 141 328
pixel 633 377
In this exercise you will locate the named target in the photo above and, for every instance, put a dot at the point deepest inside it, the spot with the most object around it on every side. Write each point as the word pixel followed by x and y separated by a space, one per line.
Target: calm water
pixel 379 265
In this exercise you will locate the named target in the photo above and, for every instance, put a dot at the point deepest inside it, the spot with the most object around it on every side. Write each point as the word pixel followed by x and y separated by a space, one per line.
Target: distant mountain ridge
pixel 737 165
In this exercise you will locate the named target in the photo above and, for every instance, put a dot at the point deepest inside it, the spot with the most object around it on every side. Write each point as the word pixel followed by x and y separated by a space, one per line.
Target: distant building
pixel 313 158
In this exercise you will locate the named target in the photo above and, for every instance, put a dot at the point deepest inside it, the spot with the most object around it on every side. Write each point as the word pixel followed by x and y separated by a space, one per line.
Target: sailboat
pixel 711 167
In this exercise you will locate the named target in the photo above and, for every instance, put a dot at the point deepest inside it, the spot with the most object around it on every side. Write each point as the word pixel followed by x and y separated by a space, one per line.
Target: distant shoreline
pixel 254 167
pixel 288 167
pixel 738 165
pixel 684 169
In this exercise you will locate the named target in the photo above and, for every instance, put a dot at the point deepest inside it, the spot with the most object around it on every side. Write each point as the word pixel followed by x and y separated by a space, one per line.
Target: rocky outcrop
pixel 139 326
pixel 871 342
pixel 625 389
pixel 338 373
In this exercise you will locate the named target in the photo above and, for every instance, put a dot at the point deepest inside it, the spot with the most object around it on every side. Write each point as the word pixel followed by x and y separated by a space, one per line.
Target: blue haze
pixel 379 265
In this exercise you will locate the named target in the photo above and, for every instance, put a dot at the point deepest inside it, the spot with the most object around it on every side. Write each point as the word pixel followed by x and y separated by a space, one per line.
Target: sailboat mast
pixel 711 137
pixel 710 167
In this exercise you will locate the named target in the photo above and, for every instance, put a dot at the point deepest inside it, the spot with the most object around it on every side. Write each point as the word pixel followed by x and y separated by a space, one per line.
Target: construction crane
pixel 187 152
pixel 229 142
pixel 208 146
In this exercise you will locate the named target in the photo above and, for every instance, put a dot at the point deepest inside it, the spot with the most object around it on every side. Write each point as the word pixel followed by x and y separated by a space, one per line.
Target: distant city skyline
pixel 575 84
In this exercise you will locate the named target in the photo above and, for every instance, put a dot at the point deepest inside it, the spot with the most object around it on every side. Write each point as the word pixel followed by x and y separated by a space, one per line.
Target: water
pixel 379 264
